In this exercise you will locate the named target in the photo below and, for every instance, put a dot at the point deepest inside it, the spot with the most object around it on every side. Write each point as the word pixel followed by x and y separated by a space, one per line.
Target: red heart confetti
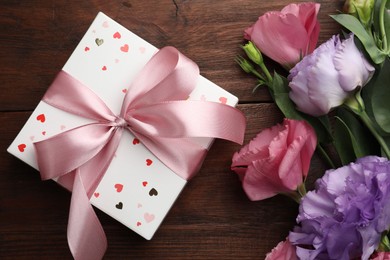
pixel 96 194
pixel 44 133
pixel 136 141
pixel 124 90
pixel 41 118
pixel 21 147
pixel 223 100
pixel 118 187
pixel 125 48
pixel 104 68
pixel 139 224
pixel 86 48
pixel 149 162
pixel 117 35
pixel 144 183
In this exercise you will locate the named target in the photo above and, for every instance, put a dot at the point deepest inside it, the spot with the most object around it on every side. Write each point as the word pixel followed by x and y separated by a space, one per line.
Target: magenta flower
pixel 325 78
pixel 344 217
pixel 277 160
pixel 287 35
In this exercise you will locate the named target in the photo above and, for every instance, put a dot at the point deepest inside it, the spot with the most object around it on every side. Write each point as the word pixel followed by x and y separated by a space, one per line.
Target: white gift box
pixel 137 189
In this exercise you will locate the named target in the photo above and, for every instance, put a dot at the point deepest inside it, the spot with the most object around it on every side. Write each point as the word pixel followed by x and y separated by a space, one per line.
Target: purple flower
pixel 346 214
pixel 325 78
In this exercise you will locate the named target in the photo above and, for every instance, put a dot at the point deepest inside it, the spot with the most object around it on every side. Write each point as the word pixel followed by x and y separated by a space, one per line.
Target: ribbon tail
pixel 185 161
pixel 86 237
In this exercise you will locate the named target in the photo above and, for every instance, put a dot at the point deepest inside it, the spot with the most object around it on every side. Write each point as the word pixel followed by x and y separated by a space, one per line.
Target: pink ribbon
pixel 155 110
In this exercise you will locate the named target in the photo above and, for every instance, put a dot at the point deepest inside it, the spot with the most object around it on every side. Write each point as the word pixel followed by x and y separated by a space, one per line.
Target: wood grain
pixel 212 219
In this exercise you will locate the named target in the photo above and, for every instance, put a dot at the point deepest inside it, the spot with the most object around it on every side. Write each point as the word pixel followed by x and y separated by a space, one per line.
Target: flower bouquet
pixel 336 102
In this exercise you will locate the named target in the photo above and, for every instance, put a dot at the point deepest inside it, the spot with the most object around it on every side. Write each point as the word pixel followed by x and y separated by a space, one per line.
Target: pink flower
pixel 381 256
pixel 283 251
pixel 288 35
pixel 277 160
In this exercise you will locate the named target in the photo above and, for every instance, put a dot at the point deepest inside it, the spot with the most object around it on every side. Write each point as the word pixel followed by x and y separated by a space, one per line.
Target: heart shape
pixel 86 49
pixel 117 35
pixel 149 162
pixel 144 183
pixel 21 147
pixel 153 192
pixel 139 224
pixel 125 48
pixel 124 90
pixel 136 141
pixel 118 187
pixel 99 41
pixel 223 100
pixel 44 133
pixel 148 217
pixel 119 205
pixel 41 118
pixel 104 68
pixel 96 194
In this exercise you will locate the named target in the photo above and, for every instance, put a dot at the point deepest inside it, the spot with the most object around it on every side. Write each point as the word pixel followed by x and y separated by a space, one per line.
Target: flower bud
pixel 244 64
pixel 361 9
pixel 253 53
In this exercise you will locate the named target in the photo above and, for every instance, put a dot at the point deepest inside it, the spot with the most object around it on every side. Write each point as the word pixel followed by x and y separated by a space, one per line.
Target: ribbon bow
pixel 155 110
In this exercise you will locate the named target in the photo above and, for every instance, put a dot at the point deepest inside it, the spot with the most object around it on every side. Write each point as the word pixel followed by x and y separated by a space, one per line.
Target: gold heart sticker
pixel 99 41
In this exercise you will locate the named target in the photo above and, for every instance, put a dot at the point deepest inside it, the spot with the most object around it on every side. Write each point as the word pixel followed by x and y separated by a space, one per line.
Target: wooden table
pixel 212 219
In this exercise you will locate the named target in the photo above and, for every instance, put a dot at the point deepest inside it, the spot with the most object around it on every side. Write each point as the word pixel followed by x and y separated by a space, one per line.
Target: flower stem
pixel 367 121
pixel 257 74
pixel 266 72
pixel 325 156
pixel 382 25
pixel 355 104
pixel 294 195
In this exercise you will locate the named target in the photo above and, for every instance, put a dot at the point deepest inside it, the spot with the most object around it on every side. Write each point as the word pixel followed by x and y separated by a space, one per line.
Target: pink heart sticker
pixel 148 217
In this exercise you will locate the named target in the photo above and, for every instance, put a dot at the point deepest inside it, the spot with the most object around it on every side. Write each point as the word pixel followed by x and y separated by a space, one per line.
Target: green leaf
pixel 343 141
pixel 281 91
pixel 366 142
pixel 353 24
pixel 380 96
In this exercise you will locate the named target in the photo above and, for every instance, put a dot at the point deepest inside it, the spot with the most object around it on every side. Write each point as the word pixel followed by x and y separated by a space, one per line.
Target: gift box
pixel 137 189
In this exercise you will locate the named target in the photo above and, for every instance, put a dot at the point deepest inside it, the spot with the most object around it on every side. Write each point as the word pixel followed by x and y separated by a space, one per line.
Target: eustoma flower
pixel 346 214
pixel 327 77
pixel 287 35
pixel 284 250
pixel 381 256
pixel 277 160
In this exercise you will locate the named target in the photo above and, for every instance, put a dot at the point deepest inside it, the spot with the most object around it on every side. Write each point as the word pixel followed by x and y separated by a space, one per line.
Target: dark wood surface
pixel 212 219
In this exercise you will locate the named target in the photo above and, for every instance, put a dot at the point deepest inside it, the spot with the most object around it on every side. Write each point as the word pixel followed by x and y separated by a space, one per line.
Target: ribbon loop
pixel 154 109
